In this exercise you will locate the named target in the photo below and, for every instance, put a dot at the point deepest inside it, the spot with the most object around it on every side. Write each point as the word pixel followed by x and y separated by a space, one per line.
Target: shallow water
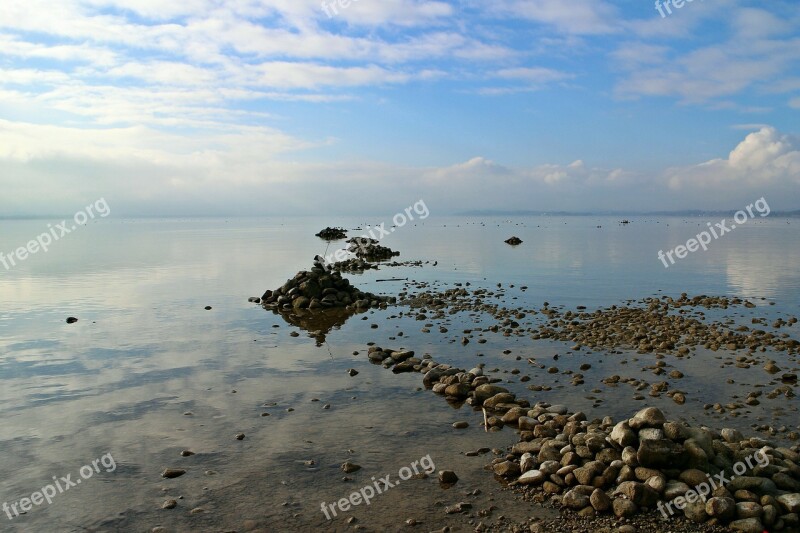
pixel 145 352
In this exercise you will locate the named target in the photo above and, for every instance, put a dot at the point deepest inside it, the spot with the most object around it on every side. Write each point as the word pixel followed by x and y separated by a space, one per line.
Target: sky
pixel 302 107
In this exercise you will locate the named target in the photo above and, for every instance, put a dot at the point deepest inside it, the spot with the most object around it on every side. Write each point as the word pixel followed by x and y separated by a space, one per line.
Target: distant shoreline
pixel 692 213
pixel 488 213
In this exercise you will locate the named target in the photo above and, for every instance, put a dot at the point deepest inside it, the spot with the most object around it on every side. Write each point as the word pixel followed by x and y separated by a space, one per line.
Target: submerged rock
pixel 447 476
pixel 349 468
pixel 171 473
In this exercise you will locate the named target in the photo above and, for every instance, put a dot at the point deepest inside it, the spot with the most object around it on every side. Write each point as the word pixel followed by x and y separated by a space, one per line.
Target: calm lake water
pixel 147 372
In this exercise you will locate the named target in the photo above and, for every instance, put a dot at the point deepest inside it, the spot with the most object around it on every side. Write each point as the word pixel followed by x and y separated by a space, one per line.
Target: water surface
pixel 147 372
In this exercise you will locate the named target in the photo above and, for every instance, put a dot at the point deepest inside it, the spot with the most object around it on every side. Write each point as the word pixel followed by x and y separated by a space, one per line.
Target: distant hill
pixel 685 213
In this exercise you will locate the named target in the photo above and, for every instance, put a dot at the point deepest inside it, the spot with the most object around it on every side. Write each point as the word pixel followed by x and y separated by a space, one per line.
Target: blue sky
pixel 274 107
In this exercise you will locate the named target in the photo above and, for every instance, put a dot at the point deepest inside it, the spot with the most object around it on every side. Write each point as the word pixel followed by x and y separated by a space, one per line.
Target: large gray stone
pixel 506 468
pixel 497 399
pixel 575 500
pixel 649 417
pixel 527 424
pixel 623 435
pixel 661 453
pixel 531 477
pixel 747 525
pixel 790 502
pixel 674 489
pixel 748 510
pixel 696 455
pixel 760 485
pixel 527 462
pixel 623 507
pixel 550 451
pixel 600 501
pixel 484 392
pixel 786 482
pixel 638 493
pixel 696 511
pixel 732 435
pixel 651 434
pixel 722 508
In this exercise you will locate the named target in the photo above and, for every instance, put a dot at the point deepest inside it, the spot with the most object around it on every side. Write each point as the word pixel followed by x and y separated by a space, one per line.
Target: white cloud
pixel 81 53
pixel 156 9
pixel 106 93
pixel 526 79
pixel 397 12
pixel 684 23
pixel 710 72
pixel 754 56
pixel 753 23
pixel 163 73
pixel 481 170
pixel 585 17
pixel 31 142
pixel 537 75
pixel 634 55
pixel 25 76
pixel 764 159
pixel 237 169
pixel 281 74
pixel 134 62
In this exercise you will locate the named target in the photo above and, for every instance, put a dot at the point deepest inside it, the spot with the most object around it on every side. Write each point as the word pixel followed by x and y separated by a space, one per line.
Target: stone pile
pixel 332 234
pixel 645 462
pixel 353 265
pixel 320 289
pixel 369 249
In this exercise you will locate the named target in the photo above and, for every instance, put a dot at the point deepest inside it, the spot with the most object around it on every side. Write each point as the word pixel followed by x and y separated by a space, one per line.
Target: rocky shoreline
pixel 623 468
pixel 601 469
pixel 670 332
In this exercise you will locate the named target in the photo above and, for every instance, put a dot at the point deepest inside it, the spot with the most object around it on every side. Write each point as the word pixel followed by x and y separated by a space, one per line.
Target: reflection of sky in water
pixel 145 351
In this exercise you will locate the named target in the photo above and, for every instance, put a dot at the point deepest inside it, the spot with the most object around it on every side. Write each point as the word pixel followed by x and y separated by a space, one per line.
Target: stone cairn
pixel 320 289
pixel 645 462
pixel 332 234
pixel 369 249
